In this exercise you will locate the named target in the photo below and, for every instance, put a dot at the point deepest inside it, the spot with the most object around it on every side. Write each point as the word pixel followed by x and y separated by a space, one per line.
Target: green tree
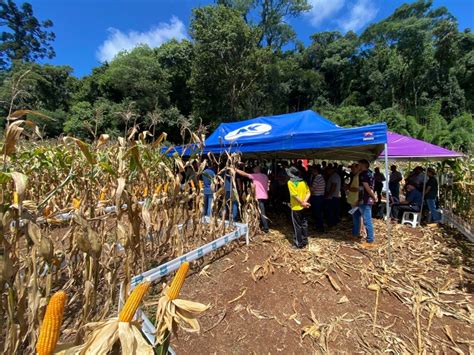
pixel 271 22
pixel 86 120
pixel 227 63
pixel 24 37
pixel 418 33
pixel 176 59
pixel 45 88
pixel 334 56
pixel 136 76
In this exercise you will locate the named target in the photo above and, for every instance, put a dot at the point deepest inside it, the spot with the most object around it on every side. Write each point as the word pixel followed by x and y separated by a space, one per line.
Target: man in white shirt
pixel 333 197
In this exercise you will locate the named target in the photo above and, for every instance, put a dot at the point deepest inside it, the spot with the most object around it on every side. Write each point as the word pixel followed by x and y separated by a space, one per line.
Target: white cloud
pixel 119 41
pixel 360 14
pixel 323 10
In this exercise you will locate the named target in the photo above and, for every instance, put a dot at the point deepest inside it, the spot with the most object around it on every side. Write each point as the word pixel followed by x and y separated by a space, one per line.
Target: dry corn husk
pixel 176 313
pixel 104 335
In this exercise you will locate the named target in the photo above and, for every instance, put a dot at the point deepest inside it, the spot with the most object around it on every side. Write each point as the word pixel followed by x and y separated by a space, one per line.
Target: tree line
pixel 413 70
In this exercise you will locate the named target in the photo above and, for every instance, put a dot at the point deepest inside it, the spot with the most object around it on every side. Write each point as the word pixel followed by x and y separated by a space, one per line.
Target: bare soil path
pixel 336 297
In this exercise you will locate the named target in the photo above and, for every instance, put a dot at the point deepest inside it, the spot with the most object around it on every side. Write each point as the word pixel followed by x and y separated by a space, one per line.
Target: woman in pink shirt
pixel 260 186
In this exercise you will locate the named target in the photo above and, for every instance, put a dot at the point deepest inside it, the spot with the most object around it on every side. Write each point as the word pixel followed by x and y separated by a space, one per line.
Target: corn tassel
pixel 53 318
pixel 178 281
pixel 133 301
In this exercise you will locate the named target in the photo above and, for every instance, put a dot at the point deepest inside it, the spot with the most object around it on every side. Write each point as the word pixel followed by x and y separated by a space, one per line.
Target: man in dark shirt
pixel 412 202
pixel 394 181
pixel 366 200
pixel 431 194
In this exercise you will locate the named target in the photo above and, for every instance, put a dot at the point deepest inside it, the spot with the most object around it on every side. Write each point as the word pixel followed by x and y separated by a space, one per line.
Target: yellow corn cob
pixel 192 185
pixel 178 281
pixel 133 301
pixel 103 195
pixel 47 211
pixel 53 318
pixel 201 185
pixel 165 188
pixel 15 198
pixel 145 191
pixel 158 189
pixel 76 203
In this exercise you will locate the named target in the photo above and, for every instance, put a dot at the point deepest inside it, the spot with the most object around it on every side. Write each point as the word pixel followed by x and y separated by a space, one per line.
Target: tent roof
pixel 296 135
pixel 401 147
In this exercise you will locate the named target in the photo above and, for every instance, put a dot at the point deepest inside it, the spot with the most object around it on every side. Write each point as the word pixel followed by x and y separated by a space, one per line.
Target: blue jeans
pixel 207 210
pixel 394 188
pixel 435 215
pixel 317 203
pixel 364 211
pixel 235 205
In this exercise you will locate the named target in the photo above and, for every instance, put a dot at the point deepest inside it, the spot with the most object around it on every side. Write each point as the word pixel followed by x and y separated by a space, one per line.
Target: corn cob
pixel 178 281
pixel 47 211
pixel 53 318
pixel 103 195
pixel 133 301
pixel 16 199
pixel 158 189
pixel 145 192
pixel 76 203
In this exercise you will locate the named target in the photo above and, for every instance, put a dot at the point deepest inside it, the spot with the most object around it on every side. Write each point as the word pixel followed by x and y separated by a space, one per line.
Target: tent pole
pixel 423 193
pixel 387 208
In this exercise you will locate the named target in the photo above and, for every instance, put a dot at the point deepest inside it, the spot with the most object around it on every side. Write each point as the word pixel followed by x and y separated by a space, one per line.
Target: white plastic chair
pixel 411 218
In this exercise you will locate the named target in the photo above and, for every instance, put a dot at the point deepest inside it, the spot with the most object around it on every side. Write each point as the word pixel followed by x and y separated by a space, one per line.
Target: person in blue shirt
pixel 231 196
pixel 412 202
pixel 208 189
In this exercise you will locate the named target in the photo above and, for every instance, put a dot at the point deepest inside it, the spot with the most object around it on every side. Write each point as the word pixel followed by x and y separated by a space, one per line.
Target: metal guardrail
pixel 454 221
pixel 241 229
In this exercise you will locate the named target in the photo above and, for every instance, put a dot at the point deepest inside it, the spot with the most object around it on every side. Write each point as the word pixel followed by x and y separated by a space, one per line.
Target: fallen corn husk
pixel 172 314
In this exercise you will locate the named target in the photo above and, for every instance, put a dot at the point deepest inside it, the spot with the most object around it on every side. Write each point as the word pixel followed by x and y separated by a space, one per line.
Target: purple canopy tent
pixel 401 147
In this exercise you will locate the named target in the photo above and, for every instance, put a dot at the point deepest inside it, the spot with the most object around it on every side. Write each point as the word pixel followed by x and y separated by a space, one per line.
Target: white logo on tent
pixel 253 129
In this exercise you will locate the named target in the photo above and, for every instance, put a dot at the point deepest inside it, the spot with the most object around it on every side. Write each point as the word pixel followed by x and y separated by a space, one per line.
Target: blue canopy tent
pixel 303 134
pixel 295 135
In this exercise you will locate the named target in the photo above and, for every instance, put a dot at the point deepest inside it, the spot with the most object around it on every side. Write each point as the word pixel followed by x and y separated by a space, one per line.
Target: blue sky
pixel 91 31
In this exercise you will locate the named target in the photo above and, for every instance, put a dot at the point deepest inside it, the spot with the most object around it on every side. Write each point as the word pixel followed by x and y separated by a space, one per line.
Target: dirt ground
pixel 334 296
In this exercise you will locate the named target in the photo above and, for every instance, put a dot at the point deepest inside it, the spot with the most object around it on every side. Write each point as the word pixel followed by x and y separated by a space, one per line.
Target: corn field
pixel 85 218
pixel 457 194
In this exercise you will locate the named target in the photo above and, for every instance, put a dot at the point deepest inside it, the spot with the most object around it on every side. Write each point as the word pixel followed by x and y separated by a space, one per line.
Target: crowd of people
pixel 324 192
